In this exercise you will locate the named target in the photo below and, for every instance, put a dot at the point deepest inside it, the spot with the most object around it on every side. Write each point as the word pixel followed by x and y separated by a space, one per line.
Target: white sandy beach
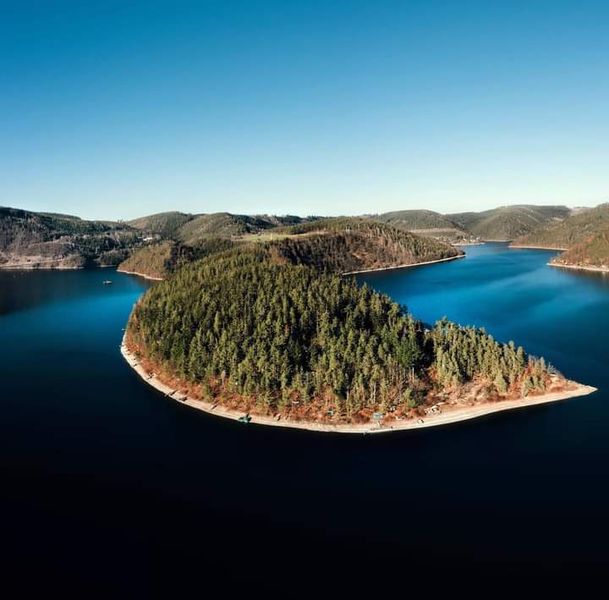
pixel 451 415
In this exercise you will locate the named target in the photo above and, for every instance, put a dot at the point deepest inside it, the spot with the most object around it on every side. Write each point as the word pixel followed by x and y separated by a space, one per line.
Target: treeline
pixel 291 338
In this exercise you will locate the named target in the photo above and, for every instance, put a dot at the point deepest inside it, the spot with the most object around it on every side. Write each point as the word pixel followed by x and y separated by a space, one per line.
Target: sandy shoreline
pixel 140 275
pixel 580 268
pixel 429 262
pixel 444 418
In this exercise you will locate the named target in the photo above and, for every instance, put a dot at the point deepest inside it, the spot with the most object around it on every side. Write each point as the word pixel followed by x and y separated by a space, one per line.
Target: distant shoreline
pixel 428 262
pixel 580 268
pixel 452 415
pixel 518 247
pixel 152 278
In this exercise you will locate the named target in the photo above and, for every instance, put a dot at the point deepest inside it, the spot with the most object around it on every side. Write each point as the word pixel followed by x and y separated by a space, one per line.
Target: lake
pixel 107 485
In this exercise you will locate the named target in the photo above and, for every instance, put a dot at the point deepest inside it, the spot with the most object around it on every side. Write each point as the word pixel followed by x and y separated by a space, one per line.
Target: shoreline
pixel 140 275
pixel 408 266
pixel 580 268
pixel 554 249
pixel 444 418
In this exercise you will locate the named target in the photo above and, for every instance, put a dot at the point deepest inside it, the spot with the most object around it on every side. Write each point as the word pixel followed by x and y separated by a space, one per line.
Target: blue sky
pixel 118 109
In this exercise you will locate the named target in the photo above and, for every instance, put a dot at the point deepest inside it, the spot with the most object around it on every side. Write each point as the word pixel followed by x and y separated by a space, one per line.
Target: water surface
pixel 106 481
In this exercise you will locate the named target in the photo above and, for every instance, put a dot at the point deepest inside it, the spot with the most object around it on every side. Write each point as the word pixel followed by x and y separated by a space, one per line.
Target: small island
pixel 273 333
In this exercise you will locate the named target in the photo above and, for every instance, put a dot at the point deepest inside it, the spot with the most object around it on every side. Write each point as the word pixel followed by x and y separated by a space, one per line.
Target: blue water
pixel 109 486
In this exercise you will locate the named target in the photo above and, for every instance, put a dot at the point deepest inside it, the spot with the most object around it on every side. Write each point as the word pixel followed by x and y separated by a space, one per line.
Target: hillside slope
pixel 355 244
pixel 165 224
pixel 592 253
pixel 30 240
pixel 507 223
pixel 577 229
pixel 159 260
pixel 425 222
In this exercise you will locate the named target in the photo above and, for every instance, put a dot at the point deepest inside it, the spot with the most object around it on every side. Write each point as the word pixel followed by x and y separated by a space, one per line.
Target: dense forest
pixel 249 331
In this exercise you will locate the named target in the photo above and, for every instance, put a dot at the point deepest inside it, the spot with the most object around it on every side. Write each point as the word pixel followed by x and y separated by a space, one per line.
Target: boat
pixel 107 282
pixel 245 419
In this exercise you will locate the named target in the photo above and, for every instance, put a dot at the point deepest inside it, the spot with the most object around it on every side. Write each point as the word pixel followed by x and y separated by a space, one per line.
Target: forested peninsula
pixel 273 333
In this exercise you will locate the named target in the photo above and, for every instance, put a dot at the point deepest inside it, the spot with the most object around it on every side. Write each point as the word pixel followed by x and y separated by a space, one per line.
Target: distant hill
pixel 577 229
pixel 338 245
pixel 44 240
pixel 415 219
pixel 165 224
pixel 507 223
pixel 228 225
pixel 221 225
pixel 425 222
pixel 355 244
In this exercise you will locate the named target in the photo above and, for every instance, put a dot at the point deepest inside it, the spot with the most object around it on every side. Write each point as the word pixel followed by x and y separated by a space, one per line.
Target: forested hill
pixel 507 223
pixel 350 244
pixel 165 224
pixel 577 229
pixel 593 252
pixel 159 260
pixel 427 223
pixel 340 245
pixel 191 229
pixel 240 329
pixel 45 240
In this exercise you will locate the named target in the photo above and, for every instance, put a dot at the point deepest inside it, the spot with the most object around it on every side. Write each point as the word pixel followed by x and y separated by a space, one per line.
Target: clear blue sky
pixel 118 109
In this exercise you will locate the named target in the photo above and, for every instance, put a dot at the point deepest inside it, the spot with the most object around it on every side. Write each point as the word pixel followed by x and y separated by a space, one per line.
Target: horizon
pixel 282 214
pixel 111 110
